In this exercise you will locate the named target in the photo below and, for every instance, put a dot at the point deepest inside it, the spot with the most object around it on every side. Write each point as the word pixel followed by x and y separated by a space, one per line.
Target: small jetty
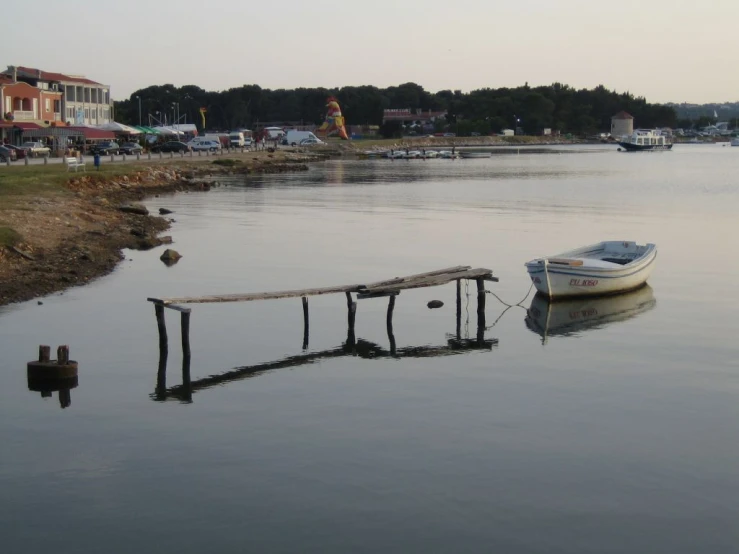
pixel 389 288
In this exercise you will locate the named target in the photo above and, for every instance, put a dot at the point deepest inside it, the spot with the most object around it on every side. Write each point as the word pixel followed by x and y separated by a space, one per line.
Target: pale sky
pixel 664 50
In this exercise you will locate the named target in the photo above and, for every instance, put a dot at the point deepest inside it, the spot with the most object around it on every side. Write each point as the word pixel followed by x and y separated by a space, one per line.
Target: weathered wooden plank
pixel 397 280
pixel 431 281
pixel 248 297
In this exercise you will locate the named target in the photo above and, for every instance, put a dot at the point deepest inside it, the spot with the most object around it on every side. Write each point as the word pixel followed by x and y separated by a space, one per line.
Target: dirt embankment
pixel 71 236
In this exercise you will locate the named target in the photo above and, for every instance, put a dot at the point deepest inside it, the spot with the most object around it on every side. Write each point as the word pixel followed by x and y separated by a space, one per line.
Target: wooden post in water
pixel 185 323
pixel 62 355
pixel 459 309
pixel 389 322
pixel 480 310
pixel 306 323
pixel 162 326
pixel 44 353
pixel 351 339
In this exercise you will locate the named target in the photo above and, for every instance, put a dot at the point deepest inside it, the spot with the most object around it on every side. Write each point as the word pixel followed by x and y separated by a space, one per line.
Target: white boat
pixel 735 141
pixel 474 154
pixel 413 154
pixel 642 140
pixel 574 316
pixel 447 154
pixel 430 154
pixel 608 267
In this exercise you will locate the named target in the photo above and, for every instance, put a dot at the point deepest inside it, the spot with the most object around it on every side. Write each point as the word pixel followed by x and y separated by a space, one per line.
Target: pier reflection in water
pixel 455 343
pixel 565 318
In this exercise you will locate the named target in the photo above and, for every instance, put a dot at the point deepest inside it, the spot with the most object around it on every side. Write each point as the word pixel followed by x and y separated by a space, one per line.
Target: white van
pixel 236 139
pixel 204 143
pixel 298 138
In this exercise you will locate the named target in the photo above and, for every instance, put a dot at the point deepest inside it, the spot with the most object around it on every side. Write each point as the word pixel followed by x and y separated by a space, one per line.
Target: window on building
pixel 87 94
pixel 57 106
pixel 106 96
pixel 80 98
pixel 87 113
pixel 69 93
pixel 94 98
pixel 47 104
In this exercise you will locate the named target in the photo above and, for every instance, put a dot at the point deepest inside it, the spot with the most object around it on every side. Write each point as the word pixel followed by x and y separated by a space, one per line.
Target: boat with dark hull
pixel 645 140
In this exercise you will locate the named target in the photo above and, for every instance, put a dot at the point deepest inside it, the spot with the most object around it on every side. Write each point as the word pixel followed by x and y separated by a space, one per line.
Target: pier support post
pixel 459 309
pixel 162 327
pixel 306 323
pixel 389 322
pixel 185 323
pixel 351 339
pixel 480 310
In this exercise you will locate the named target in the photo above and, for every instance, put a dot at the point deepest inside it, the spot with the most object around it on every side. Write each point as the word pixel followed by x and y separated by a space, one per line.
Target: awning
pixel 6 124
pixel 119 128
pixel 147 130
pixel 28 126
pixel 93 134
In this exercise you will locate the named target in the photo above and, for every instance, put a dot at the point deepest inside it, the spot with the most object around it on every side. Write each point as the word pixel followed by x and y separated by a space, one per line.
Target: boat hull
pixel 568 281
pixel 644 147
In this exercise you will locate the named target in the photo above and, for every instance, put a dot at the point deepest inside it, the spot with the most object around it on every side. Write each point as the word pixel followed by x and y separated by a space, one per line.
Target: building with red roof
pixel 81 101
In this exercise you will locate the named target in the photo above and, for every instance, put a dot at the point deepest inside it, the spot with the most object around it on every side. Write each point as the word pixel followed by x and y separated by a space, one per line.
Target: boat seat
pixel 619 261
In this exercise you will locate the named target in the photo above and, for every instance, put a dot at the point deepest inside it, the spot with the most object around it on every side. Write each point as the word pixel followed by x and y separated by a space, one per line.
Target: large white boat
pixel 608 267
pixel 642 140
pixel 735 141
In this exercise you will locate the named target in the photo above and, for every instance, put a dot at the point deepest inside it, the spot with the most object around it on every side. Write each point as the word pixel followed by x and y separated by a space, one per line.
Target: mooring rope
pixel 512 305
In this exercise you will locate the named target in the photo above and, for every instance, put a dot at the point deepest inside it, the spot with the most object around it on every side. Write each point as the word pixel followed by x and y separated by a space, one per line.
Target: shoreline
pixel 71 233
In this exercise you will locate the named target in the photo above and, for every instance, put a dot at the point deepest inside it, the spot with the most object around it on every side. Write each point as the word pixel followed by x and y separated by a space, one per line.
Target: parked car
pixel 203 144
pixel 171 146
pixel 105 148
pixel 7 154
pixel 20 153
pixel 131 148
pixel 34 149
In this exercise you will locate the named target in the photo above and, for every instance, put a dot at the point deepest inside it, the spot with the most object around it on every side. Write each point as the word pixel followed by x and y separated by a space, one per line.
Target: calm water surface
pixel 610 427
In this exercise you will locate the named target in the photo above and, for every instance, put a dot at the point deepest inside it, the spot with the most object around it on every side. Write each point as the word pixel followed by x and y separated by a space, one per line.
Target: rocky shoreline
pixel 72 238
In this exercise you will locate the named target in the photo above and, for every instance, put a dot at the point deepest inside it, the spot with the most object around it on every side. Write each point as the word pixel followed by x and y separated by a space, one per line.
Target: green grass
pixel 9 237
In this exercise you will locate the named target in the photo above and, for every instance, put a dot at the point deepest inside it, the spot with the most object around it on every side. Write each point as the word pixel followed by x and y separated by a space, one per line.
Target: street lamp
pixel 516 121
pixel 139 99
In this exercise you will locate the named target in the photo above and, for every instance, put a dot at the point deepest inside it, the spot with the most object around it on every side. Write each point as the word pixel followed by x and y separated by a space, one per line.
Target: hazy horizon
pixel 665 51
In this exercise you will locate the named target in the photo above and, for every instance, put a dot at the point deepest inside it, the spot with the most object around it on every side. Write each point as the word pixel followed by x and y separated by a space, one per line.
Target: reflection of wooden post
pixel 162 326
pixel 186 386
pixel 390 335
pixel 161 390
pixel 459 309
pixel 65 398
pixel 480 310
pixel 306 323
pixel 185 323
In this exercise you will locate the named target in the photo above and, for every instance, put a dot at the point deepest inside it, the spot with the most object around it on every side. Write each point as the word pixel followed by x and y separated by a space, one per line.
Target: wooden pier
pixel 388 288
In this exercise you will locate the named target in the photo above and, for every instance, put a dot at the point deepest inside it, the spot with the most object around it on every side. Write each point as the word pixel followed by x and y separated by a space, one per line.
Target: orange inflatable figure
pixel 334 123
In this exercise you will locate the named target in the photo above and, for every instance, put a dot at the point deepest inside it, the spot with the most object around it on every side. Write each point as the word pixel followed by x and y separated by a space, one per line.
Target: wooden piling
pixel 480 310
pixel 185 324
pixel 162 326
pixel 306 323
pixel 459 309
pixel 44 353
pixel 389 323
pixel 62 355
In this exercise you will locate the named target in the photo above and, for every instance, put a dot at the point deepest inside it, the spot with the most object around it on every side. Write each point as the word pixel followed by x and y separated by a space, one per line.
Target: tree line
pixel 489 110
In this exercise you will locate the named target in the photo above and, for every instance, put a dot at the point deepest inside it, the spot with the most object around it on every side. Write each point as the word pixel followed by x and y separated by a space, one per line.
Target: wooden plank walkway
pixel 389 286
